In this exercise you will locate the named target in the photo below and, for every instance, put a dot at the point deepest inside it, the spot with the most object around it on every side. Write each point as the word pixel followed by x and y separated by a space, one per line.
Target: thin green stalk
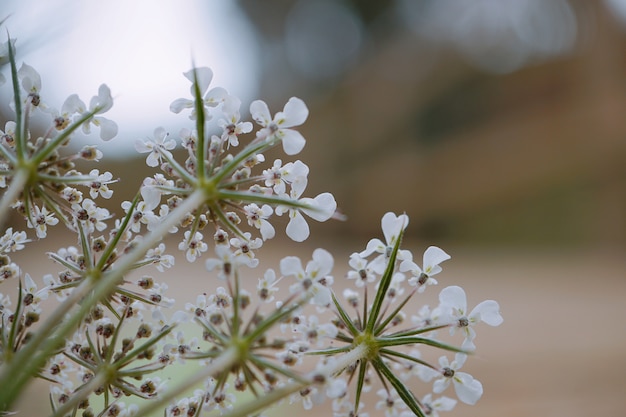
pixel 200 120
pixel 20 140
pixel 383 286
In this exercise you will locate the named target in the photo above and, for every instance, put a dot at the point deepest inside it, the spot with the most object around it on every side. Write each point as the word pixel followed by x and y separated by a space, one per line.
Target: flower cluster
pixel 115 333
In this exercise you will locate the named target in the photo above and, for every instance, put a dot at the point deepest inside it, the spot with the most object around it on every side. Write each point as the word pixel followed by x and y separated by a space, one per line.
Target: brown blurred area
pixel 520 174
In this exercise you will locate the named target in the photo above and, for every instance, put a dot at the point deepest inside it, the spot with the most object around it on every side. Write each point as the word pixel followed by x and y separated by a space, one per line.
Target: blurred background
pixel 498 126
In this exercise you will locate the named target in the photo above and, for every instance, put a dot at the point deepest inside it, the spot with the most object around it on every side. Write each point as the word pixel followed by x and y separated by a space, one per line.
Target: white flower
pixel 90 213
pixel 161 260
pixel 315 279
pixel 99 184
pixel 468 389
pixel 267 286
pixel 244 247
pixel 392 226
pixel 361 272
pixel 257 217
pixel 156 147
pixel 99 104
pixel 226 263
pixel 294 173
pixel 13 241
pixel 40 219
pixel 211 98
pixel 142 214
pixel 433 256
pixel 321 208
pixel 453 305
pixel 31 83
pixel 193 247
pixel 432 407
pixel 294 114
pixel 231 126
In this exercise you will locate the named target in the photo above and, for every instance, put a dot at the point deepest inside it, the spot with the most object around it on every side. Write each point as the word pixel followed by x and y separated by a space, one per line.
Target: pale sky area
pixel 138 49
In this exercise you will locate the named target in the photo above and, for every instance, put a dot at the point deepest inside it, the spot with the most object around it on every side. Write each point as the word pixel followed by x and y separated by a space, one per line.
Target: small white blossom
pixel 422 277
pixel 294 114
pixel 257 217
pixel 211 98
pixel 231 125
pixel 468 389
pixel 392 226
pixel 193 247
pixel 156 147
pixel 99 184
pixel 40 219
pixel 453 306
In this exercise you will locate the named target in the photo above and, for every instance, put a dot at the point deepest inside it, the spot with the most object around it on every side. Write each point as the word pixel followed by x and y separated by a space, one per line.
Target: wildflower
pixel 315 279
pixel 231 125
pixel 31 83
pixel 294 173
pixel 40 219
pixel 454 306
pixel 13 241
pixel 160 259
pixel 257 217
pixel 211 98
pixel 294 114
pixel 392 226
pixel 156 147
pixel 98 104
pixel 361 272
pixel 320 208
pixel 193 246
pixel 267 286
pixel 245 247
pixel 468 389
pixel 99 184
pixel 433 256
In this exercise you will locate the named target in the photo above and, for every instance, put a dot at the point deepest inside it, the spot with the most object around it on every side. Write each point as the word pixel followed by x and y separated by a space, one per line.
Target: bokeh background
pixel 498 126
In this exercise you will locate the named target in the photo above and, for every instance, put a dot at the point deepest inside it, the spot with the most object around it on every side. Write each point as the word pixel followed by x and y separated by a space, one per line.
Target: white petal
pixel 295 112
pixel 204 76
pixel 297 228
pixel 434 256
pixel 291 265
pixel 454 297
pixel 142 146
pixel 324 206
pixel 260 112
pixel 293 141
pixel 489 312
pixel 267 230
pixel 440 385
pixel 374 245
pixel 179 104
pixel 108 128
pixel 468 389
pixel 324 260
